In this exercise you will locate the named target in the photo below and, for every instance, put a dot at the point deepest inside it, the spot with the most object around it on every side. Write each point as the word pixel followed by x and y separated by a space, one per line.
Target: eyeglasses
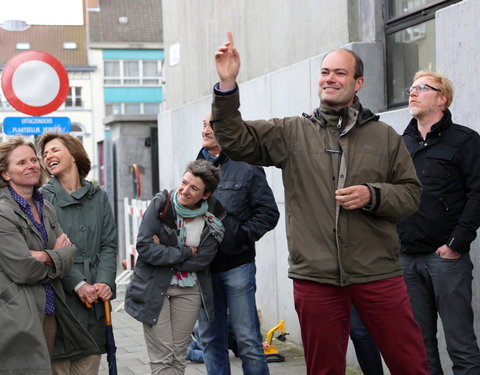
pixel 422 87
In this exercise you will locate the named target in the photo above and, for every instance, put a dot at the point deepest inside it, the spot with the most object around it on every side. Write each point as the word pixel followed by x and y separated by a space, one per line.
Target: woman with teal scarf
pixel 177 239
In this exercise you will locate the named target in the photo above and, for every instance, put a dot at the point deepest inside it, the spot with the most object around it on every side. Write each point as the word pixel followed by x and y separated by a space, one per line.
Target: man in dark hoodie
pixel 251 212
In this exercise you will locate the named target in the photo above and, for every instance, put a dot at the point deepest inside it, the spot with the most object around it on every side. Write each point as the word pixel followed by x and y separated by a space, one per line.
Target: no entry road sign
pixel 35 83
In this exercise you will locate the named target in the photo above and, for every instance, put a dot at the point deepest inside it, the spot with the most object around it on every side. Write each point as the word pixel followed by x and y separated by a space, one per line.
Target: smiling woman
pixel 23 171
pixel 174 254
pixel 34 255
pixel 86 216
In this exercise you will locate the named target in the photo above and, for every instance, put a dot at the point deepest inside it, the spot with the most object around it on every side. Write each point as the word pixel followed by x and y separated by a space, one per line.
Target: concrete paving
pixel 132 355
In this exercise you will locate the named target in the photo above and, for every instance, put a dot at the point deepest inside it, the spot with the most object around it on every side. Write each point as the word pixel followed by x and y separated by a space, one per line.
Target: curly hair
pixel 209 174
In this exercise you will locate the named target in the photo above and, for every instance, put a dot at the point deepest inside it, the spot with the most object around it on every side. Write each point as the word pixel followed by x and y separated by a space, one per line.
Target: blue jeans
pixel 439 286
pixel 195 348
pixel 367 352
pixel 234 295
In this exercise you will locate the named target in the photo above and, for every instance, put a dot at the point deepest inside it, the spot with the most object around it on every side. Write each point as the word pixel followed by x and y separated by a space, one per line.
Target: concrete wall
pixel 270 35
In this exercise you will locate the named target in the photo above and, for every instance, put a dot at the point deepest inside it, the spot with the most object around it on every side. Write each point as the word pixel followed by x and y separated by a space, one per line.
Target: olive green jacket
pixel 87 219
pixel 22 297
pixel 319 154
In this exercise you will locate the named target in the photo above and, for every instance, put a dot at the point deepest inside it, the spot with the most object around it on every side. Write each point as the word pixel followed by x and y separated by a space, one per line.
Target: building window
pixel 3 102
pixel 410 43
pixel 151 108
pixel 112 73
pixel 113 109
pixel 74 97
pixel 151 72
pixel 132 108
pixel 23 46
pixel 77 131
pixel 132 72
pixel 79 76
pixel 69 45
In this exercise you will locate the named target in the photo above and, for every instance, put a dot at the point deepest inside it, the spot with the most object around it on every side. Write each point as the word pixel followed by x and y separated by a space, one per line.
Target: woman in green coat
pixel 35 322
pixel 86 216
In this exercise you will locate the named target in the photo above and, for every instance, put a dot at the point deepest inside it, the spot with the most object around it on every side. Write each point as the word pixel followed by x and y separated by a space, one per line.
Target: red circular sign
pixel 35 83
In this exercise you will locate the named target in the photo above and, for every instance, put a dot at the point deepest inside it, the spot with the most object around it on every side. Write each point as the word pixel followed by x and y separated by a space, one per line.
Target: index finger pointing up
pixel 230 37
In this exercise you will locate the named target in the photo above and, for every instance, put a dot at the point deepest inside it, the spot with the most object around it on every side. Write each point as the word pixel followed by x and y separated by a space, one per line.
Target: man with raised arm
pixel 348 179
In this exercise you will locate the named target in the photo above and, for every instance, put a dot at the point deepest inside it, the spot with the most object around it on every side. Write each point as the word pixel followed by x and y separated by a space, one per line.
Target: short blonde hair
pixel 442 83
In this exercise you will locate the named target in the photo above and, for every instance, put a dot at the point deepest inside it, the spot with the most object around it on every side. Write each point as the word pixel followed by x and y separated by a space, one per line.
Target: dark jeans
pixel 367 352
pixel 444 286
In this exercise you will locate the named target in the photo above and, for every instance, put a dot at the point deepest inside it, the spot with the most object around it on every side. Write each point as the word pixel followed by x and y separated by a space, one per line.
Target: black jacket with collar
pixel 448 166
pixel 251 211
pixel 157 262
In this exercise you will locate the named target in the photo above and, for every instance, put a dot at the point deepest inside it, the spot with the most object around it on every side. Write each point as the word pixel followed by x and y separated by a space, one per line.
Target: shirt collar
pixel 37 198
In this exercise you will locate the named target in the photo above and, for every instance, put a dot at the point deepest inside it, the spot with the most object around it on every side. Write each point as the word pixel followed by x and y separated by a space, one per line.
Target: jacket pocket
pixel 138 289
pixel 31 235
pixel 8 294
pixel 233 196
pixel 439 163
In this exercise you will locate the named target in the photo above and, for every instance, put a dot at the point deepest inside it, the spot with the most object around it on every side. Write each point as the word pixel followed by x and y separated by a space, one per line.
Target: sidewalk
pixel 132 355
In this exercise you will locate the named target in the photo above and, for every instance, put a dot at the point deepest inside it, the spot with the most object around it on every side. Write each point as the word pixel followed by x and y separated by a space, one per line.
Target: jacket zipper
pixel 442 200
pixel 339 124
pixel 340 269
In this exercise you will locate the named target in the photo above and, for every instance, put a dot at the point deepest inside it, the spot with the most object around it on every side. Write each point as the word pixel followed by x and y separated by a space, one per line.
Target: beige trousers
pixel 167 342
pixel 87 365
pixel 49 330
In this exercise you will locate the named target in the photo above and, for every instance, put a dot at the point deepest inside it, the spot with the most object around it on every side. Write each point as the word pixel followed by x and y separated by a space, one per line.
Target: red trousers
pixel 384 307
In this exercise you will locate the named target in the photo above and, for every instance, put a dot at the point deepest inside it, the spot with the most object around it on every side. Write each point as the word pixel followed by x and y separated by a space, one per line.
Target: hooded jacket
pixel 87 218
pixel 447 164
pixel 251 211
pixel 319 154
pixel 23 349
pixel 157 263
